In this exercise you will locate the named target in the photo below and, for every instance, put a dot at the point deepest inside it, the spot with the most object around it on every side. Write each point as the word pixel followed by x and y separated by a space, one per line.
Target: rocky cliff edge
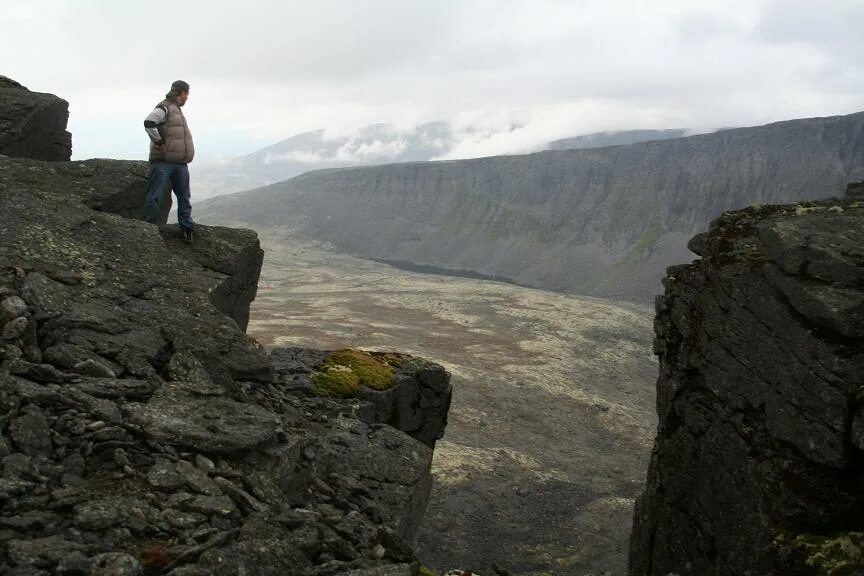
pixel 142 431
pixel 758 462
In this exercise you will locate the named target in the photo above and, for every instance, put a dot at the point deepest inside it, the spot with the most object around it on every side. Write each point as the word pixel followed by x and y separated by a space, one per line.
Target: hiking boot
pixel 188 235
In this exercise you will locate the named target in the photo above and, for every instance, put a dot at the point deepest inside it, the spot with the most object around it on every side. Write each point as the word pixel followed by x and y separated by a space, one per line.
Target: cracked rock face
pixel 759 447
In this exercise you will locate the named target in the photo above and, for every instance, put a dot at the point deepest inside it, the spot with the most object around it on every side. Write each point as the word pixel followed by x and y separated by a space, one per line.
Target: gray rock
pixel 9 353
pixel 12 307
pixel 261 547
pixel 388 570
pixel 66 356
pixel 417 404
pixel 75 564
pixel 128 388
pixel 14 329
pixel 235 256
pixel 761 354
pixel 204 463
pixel 185 368
pixel 90 367
pixel 183 520
pixel 171 476
pixel 41 552
pixel 33 124
pixel 33 354
pixel 44 373
pixel 115 564
pixel 98 515
pixel 31 433
pixel 210 424
pixel 5 450
pixel 165 475
pixel 47 296
pixel 210 505
pixel 243 499
pixel 129 512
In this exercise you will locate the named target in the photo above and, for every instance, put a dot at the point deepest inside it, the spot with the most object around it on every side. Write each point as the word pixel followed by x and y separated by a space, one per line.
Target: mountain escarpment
pixel 603 222
pixel 143 432
pixel 759 453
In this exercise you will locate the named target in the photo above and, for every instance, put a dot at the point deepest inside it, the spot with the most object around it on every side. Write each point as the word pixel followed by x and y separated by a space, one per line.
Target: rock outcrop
pixel 233 258
pixel 417 403
pixel 32 124
pixel 758 458
pixel 114 186
pixel 142 431
pixel 603 222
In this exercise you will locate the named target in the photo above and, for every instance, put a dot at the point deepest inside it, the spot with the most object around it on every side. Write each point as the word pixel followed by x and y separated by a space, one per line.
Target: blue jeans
pixel 163 175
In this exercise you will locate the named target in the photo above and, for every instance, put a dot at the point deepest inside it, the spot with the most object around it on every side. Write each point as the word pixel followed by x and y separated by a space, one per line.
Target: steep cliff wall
pixel 759 456
pixel 603 222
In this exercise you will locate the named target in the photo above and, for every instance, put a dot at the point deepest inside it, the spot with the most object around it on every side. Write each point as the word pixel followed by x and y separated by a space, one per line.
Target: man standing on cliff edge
pixel 171 150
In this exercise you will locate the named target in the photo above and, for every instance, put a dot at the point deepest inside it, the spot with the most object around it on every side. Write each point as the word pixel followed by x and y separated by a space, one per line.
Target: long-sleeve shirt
pixel 154 124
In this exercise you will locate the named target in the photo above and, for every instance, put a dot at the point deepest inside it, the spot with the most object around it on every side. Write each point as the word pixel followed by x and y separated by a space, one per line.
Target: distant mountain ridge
pixel 616 138
pixel 368 146
pixel 603 222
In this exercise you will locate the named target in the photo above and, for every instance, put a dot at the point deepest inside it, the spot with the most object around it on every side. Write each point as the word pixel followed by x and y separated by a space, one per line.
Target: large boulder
pixel 757 460
pixel 32 124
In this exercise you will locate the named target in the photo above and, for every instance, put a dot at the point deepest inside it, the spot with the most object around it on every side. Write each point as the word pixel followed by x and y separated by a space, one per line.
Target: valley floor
pixel 553 413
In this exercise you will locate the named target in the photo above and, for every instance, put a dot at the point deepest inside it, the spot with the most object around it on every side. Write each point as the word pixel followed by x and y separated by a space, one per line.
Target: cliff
pixel 758 458
pixel 602 222
pixel 142 431
pixel 32 124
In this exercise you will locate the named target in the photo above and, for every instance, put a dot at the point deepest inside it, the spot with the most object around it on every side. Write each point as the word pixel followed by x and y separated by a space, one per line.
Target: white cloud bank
pixel 551 69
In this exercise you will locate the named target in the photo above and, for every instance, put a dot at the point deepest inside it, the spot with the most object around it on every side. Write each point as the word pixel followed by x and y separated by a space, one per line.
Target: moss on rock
pixel 344 371
pixel 836 555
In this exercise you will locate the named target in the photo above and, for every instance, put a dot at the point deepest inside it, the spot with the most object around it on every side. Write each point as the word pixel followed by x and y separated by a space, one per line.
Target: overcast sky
pixel 262 71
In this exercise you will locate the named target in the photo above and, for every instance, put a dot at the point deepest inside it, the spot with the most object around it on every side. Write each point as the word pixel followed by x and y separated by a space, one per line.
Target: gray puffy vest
pixel 176 137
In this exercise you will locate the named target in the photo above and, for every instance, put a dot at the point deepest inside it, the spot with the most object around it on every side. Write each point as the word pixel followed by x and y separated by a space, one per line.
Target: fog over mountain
pixel 383 144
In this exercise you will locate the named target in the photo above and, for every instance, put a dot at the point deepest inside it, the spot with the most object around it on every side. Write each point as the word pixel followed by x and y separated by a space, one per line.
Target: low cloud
pixel 376 150
pixel 533 71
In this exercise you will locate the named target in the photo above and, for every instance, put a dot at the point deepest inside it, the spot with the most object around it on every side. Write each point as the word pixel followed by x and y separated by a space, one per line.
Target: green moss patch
pixel 344 371
pixel 836 555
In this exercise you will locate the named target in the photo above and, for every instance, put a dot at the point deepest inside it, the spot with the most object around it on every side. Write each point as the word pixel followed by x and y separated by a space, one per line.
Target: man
pixel 171 150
